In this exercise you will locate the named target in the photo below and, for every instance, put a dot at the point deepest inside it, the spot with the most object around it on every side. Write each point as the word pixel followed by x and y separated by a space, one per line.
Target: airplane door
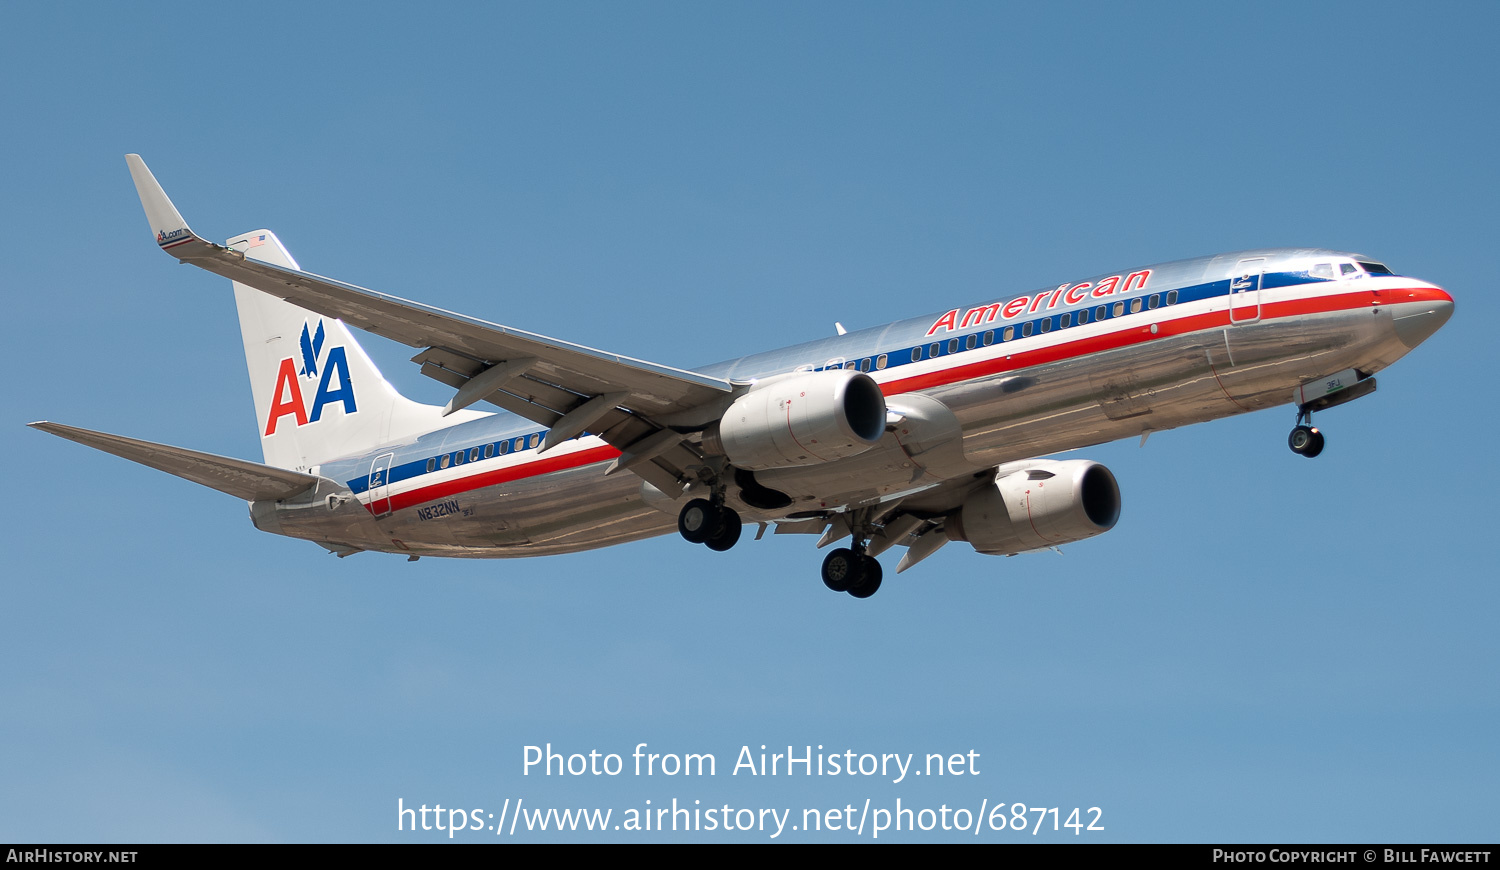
pixel 1244 290
pixel 379 488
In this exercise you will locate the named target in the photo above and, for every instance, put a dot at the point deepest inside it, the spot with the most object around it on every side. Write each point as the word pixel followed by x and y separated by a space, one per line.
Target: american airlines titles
pixel 1066 294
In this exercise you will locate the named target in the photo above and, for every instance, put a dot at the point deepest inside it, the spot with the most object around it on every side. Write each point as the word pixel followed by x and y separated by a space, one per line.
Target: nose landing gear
pixel 1305 439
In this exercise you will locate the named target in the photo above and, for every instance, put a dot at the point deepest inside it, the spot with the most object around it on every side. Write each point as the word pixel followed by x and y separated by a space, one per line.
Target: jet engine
pixel 1037 504
pixel 806 418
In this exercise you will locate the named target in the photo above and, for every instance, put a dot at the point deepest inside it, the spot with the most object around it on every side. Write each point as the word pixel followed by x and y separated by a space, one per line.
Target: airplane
pixel 928 430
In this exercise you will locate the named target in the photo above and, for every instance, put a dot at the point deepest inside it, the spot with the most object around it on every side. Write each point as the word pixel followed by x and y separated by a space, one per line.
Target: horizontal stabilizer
pixel 250 481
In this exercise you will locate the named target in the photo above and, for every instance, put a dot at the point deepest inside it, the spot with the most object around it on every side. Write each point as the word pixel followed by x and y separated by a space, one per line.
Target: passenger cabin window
pixel 916 354
pixel 1025 330
pixel 971 342
pixel 443 463
pixel 474 455
pixel 880 362
pixel 1010 333
pixel 989 338
pixel 1171 297
pixel 489 451
pixel 431 464
pixel 935 350
pixel 1154 301
pixel 1065 321
pixel 1083 316
pixel 1135 305
pixel 953 345
pixel 1047 325
pixel 1119 309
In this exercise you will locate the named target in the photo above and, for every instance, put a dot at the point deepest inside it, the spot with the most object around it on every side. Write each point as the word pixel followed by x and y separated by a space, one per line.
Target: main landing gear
pixel 852 571
pixel 709 522
pixel 1305 439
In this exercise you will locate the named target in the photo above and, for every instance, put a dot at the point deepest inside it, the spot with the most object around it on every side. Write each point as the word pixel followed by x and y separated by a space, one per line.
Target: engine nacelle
pixel 1037 504
pixel 801 419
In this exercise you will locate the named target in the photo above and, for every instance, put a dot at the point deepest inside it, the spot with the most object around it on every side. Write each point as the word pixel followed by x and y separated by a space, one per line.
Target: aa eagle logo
pixel 333 386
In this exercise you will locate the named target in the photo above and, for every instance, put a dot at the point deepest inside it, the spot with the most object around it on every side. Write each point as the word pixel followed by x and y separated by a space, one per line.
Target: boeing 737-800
pixel 924 431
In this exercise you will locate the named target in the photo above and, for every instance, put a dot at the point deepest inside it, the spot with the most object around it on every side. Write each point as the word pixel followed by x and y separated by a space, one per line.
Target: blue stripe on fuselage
pixel 417 468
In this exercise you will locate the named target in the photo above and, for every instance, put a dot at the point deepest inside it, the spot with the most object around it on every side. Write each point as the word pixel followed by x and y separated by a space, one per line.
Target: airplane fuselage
pixel 967 388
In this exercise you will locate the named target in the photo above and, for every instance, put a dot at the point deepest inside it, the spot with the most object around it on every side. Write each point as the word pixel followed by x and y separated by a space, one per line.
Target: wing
pixel 567 387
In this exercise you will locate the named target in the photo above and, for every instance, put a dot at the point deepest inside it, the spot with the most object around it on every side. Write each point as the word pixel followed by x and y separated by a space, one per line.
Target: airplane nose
pixel 1434 309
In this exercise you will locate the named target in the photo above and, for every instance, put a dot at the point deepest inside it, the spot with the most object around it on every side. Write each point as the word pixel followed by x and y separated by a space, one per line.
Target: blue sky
pixel 1265 648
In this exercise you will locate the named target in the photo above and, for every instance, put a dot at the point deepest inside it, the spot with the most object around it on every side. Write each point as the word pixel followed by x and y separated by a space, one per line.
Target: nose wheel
pixel 1305 439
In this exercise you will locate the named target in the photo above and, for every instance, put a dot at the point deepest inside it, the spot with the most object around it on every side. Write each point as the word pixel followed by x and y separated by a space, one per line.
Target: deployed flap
pixel 250 481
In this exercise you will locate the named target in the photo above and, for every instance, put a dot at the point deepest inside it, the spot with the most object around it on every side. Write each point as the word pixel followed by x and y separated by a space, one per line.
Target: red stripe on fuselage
pixel 1142 333
pixel 1023 359
pixel 534 468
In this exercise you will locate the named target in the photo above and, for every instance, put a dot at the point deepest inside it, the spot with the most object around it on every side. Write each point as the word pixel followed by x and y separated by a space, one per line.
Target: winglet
pixel 166 221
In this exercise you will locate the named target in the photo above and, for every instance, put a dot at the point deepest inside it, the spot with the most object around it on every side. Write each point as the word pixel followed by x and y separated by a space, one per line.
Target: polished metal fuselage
pixel 1235 340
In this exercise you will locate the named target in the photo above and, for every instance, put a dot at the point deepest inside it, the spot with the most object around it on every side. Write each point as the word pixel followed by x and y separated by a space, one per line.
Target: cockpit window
pixel 1376 268
pixel 1321 270
pixel 1348 269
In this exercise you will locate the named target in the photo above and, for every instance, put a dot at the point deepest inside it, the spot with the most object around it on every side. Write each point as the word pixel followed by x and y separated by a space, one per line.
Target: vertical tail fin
pixel 318 396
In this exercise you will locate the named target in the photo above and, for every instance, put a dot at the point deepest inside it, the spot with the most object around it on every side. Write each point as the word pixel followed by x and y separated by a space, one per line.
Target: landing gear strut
pixel 708 521
pixel 1305 439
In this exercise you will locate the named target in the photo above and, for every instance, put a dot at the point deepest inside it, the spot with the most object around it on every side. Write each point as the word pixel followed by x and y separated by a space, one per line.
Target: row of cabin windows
pixel 1046 324
pixel 474 454
pixel 1063 321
